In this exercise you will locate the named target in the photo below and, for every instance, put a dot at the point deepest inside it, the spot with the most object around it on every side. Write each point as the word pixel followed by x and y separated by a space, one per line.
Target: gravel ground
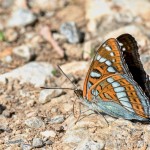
pixel 35 37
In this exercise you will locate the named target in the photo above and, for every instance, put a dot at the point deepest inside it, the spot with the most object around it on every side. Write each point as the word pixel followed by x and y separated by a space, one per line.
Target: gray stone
pixel 26 147
pixel 34 122
pixel 21 17
pixel 7 113
pixel 49 142
pixel 88 144
pixel 37 143
pixel 57 119
pixel 71 32
pixel 47 94
pixel 34 73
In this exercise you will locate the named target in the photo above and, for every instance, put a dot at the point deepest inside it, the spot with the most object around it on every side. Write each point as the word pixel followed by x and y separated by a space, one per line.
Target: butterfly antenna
pixel 56 88
pixel 67 76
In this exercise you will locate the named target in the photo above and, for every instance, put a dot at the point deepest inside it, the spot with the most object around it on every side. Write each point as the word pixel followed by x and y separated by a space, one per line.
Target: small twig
pixel 45 32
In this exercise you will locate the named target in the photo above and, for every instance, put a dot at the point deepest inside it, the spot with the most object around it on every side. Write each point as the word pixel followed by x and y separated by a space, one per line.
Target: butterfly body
pixel 112 86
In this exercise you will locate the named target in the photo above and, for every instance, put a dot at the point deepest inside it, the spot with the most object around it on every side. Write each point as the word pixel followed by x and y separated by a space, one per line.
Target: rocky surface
pixel 35 118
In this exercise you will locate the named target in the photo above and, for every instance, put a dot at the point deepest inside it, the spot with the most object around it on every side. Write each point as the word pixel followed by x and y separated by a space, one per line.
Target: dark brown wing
pixel 132 58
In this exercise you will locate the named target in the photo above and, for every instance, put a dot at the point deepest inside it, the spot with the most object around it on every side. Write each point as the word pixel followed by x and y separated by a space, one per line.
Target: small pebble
pixel 57 119
pixel 37 143
pixel 34 122
pixel 7 113
pixel 11 35
pixel 46 95
pixel 26 147
pixel 49 142
pixel 71 32
pixel 48 133
pixel 21 17
pixel 8 59
pixel 24 51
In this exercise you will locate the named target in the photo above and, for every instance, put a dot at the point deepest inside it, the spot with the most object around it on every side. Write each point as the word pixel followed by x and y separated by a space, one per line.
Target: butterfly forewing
pixel 108 60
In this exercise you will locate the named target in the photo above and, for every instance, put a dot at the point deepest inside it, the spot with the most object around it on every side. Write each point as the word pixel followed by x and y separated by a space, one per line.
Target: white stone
pixel 34 122
pixel 74 67
pixel 48 133
pixel 96 10
pixel 47 94
pixel 24 51
pixel 37 143
pixel 34 73
pixel 21 17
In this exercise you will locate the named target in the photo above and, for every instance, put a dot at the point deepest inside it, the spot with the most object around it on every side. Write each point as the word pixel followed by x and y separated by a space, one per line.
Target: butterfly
pixel 116 83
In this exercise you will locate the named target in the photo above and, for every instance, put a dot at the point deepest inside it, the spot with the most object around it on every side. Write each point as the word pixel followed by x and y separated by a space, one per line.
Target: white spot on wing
pixel 120 44
pixel 98 57
pixel 121 94
pixel 115 84
pixel 95 74
pixel 112 54
pixel 108 63
pixel 119 89
pixel 104 45
pixel 89 84
pixel 108 48
pixel 95 92
pixel 110 80
pixel 127 105
pixel 111 69
pixel 102 59
pixel 130 109
pixel 123 49
pixel 125 102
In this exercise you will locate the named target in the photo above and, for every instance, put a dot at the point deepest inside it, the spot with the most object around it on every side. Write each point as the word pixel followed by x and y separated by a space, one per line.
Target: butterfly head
pixel 79 93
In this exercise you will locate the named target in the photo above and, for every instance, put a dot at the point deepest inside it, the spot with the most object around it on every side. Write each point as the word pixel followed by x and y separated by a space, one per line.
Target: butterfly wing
pixel 109 79
pixel 107 61
pixel 122 90
pixel 129 48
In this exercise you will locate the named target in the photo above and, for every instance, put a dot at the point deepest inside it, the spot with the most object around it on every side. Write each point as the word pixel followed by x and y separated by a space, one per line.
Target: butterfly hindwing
pixel 121 89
